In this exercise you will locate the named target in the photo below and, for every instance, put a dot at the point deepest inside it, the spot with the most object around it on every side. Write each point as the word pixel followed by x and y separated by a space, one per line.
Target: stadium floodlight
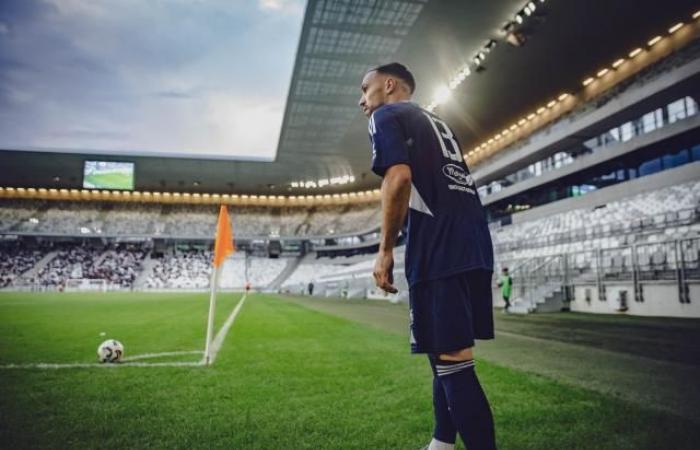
pixel 519 18
pixel 563 97
pixel 635 52
pixel 618 63
pixel 551 104
pixel 696 14
pixel 653 41
pixel 442 95
pixel 541 109
pixel 676 27
pixel 602 72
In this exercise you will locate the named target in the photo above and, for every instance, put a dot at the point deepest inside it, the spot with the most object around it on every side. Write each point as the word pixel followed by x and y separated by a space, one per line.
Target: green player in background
pixel 506 285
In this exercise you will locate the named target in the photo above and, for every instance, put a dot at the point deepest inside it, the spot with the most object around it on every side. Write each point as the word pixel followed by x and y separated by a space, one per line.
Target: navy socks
pixel 445 430
pixel 461 405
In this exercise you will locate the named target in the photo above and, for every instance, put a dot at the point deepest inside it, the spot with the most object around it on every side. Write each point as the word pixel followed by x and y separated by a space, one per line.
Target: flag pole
pixel 223 246
pixel 210 320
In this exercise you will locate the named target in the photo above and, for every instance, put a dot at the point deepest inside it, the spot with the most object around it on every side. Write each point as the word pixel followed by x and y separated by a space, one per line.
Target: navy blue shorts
pixel 449 313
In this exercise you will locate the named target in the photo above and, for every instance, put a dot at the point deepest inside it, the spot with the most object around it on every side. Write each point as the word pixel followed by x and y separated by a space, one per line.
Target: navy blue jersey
pixel 447 228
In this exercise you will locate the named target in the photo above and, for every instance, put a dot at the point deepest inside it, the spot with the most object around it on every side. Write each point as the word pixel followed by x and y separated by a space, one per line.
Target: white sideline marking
pixel 221 335
pixel 98 365
pixel 159 355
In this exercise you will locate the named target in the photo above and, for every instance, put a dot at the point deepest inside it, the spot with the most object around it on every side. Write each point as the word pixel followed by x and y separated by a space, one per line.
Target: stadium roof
pixel 323 134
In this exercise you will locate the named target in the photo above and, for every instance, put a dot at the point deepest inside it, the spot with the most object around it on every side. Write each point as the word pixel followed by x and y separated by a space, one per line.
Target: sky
pixel 156 77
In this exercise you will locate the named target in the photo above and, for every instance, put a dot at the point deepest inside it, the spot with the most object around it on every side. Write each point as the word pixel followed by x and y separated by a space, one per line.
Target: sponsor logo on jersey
pixel 457 174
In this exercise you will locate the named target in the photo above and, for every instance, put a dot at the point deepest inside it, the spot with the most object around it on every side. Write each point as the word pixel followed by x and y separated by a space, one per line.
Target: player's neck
pixel 397 98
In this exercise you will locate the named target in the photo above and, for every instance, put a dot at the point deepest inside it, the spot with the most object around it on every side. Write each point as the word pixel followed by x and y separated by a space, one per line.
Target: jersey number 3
pixel 450 149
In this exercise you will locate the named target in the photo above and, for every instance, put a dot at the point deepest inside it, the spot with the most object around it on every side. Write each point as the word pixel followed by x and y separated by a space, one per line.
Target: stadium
pixel 129 132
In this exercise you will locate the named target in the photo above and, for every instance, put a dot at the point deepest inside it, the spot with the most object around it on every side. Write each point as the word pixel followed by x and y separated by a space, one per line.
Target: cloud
pixel 292 7
pixel 162 76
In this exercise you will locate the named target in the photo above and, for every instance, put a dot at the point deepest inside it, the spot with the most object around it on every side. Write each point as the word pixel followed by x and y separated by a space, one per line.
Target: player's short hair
pixel 399 71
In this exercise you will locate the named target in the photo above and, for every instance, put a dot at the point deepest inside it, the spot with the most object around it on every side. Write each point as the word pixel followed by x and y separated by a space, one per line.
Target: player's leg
pixel 467 315
pixel 421 339
pixel 442 318
pixel 467 402
pixel 444 433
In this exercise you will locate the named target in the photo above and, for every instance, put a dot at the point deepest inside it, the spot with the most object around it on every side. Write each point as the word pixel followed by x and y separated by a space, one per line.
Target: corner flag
pixel 224 239
pixel 223 246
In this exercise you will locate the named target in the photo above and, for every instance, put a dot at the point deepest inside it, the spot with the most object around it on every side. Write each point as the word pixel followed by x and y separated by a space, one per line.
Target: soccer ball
pixel 110 351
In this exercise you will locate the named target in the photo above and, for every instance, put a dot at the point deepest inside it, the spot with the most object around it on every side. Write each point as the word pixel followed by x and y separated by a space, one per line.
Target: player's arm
pixel 390 161
pixel 396 191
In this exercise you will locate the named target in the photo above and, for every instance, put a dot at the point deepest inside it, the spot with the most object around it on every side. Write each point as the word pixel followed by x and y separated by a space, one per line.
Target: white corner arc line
pixel 221 335
pixel 216 346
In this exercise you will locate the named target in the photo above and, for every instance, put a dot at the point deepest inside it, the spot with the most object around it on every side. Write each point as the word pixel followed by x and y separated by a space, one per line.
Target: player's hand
pixel 384 272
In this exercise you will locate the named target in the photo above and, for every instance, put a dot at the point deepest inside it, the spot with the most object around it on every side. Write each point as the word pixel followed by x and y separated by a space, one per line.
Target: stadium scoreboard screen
pixel 108 175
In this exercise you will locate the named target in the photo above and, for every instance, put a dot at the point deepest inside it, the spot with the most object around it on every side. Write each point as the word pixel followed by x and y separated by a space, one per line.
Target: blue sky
pixel 203 77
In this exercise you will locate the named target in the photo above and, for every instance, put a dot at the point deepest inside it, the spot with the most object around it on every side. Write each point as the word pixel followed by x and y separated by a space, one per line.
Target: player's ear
pixel 389 85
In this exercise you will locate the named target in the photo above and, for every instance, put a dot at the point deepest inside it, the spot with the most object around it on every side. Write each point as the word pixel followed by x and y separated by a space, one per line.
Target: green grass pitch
pixel 287 377
pixel 110 180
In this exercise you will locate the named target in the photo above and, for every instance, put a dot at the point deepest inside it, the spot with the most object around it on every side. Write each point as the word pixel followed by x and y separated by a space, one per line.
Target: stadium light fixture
pixel 551 104
pixel 635 52
pixel 541 109
pixel 602 72
pixel 563 97
pixel 522 122
pixel 618 63
pixel 653 41
pixel 530 116
pixel 519 18
pixel 513 127
pixel 441 95
pixel 696 14
pixel 676 27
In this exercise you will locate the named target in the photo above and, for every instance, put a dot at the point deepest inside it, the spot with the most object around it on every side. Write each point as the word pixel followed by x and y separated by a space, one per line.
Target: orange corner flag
pixel 224 238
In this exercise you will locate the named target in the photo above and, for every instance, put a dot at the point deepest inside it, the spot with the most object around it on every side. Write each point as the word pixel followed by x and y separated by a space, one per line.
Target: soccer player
pixel 449 254
pixel 506 285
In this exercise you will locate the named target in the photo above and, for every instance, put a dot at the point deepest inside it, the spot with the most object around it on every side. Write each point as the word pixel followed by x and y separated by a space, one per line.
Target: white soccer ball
pixel 110 351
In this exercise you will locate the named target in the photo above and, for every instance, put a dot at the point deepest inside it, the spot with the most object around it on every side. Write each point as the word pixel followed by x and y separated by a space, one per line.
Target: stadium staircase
pixel 39 266
pixel 148 265
pixel 98 261
pixel 541 286
pixel 292 264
